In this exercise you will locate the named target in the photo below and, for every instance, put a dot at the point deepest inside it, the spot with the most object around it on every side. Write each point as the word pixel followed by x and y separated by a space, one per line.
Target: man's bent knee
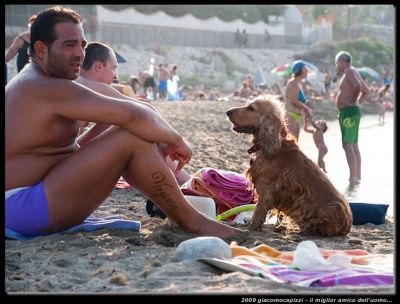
pixel 129 140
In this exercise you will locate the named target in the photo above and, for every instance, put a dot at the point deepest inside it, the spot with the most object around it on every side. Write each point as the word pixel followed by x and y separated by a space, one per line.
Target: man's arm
pixel 75 101
pixel 95 130
pixel 109 90
pixel 358 84
pixel 364 91
pixel 13 50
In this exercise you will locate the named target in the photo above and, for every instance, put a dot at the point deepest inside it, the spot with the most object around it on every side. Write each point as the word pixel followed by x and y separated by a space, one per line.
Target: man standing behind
pixel 352 91
pixel 99 70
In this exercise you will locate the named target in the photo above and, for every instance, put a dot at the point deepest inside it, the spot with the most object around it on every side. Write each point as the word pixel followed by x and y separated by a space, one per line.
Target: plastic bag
pixel 308 258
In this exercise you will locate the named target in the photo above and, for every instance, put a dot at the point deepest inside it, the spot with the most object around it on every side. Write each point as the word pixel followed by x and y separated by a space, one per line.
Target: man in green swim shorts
pixel 352 91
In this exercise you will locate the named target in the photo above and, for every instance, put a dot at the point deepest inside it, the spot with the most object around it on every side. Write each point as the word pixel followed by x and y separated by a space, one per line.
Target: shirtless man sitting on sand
pixel 51 182
pixel 352 90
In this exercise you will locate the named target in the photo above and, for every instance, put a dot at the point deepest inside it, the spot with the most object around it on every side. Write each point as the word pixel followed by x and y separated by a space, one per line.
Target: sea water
pixel 376 144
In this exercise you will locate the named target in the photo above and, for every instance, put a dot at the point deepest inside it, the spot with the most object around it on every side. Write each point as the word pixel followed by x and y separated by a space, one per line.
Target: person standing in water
pixel 352 91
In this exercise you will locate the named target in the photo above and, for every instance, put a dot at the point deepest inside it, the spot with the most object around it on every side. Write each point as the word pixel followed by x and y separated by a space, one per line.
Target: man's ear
pixel 98 65
pixel 41 49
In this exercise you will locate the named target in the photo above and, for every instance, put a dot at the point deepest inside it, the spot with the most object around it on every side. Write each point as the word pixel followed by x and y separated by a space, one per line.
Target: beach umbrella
pixel 286 69
pixel 259 79
pixel 366 72
pixel 282 70
pixel 120 59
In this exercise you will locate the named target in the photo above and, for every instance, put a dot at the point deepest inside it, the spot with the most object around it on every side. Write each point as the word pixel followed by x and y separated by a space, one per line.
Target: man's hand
pixel 179 151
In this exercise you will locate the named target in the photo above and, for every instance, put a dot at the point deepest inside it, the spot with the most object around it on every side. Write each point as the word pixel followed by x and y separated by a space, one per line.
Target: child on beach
pixel 318 136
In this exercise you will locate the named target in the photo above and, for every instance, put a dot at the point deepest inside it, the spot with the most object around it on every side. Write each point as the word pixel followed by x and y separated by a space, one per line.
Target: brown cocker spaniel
pixel 284 178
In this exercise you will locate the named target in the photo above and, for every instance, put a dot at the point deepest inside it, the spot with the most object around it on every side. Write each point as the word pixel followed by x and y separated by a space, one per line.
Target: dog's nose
pixel 229 113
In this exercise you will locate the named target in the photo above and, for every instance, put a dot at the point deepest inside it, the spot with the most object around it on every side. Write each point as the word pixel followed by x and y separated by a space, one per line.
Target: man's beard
pixel 57 70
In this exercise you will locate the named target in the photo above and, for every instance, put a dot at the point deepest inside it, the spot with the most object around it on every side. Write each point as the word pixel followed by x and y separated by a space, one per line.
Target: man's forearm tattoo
pixel 159 185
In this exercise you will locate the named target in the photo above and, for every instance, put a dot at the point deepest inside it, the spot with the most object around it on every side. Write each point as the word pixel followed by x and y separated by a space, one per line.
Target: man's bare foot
pixel 209 227
pixel 239 237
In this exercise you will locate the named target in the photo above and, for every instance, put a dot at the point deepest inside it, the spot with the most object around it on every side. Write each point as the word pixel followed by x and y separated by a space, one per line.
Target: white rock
pixel 202 247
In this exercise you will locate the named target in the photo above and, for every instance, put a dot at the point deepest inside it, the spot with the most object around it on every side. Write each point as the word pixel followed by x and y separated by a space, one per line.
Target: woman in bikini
pixel 295 100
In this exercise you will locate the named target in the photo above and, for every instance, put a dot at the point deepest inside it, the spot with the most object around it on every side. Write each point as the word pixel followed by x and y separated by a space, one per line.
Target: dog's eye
pixel 250 109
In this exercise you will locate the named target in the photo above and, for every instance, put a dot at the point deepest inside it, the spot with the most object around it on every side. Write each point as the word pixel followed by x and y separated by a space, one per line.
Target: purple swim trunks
pixel 27 211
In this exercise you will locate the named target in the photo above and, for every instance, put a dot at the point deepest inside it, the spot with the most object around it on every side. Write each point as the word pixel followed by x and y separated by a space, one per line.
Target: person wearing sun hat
pixel 295 100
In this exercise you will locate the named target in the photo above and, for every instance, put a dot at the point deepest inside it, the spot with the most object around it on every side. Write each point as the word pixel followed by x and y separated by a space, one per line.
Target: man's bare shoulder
pixel 99 87
pixel 42 89
pixel 351 71
pixel 29 78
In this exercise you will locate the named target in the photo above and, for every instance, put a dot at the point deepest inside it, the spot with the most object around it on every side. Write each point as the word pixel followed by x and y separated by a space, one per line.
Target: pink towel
pixel 229 186
pixel 228 189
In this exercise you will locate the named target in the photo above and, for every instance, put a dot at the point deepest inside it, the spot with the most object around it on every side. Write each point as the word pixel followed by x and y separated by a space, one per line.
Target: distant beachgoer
pixel 380 102
pixel 136 85
pixel 250 82
pixel 245 91
pixel 244 38
pixel 267 35
pixel 327 83
pixel 237 37
pixel 149 85
pixel 214 95
pixel 386 81
pixel 199 95
pixel 163 76
pixel 382 110
pixel 127 90
pixel 352 90
pixel 295 99
pixel 173 84
pixel 20 46
pixel 318 136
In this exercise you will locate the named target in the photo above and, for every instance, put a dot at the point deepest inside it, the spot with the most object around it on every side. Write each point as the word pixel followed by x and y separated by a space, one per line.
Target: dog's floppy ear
pixel 269 135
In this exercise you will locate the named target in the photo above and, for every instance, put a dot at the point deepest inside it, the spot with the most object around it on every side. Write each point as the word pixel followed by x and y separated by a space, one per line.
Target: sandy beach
pixel 122 261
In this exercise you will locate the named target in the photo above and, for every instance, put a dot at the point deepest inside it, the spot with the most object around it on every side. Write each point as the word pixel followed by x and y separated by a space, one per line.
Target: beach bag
pixel 364 213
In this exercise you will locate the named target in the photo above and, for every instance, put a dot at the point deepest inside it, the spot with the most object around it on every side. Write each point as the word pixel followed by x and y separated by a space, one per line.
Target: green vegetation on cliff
pixel 365 52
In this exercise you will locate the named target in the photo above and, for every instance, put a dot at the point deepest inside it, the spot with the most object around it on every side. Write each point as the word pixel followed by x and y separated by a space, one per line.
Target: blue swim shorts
pixel 26 211
pixel 162 86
